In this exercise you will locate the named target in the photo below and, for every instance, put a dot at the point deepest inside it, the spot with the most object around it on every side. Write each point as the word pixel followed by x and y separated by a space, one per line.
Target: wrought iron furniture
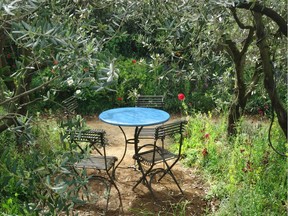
pixel 97 181
pixel 91 136
pixel 137 117
pixel 148 156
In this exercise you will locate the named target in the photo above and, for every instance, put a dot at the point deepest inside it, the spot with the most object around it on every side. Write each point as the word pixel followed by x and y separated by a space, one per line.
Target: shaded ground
pixel 169 201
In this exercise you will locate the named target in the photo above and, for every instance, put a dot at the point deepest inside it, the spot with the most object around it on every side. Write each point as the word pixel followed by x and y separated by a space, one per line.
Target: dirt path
pixel 140 201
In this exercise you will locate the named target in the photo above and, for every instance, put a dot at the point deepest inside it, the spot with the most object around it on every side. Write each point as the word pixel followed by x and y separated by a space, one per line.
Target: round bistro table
pixel 137 117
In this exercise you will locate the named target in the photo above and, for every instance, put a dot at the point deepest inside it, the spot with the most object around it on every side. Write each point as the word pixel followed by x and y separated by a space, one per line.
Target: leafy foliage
pixel 107 52
pixel 243 173
pixel 38 180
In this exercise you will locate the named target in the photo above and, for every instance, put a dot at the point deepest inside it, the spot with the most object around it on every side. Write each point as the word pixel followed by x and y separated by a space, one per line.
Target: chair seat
pixel 97 162
pixel 161 155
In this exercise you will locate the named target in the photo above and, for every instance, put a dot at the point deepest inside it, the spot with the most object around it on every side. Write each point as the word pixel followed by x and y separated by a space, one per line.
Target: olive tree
pixel 58 41
pixel 265 35
pixel 61 44
pixel 193 38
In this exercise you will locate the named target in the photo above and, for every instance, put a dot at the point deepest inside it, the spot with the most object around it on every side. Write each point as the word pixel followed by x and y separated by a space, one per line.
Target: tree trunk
pixel 238 105
pixel 239 57
pixel 269 82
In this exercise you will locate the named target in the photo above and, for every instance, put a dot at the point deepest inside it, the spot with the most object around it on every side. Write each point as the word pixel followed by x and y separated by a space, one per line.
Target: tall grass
pixel 246 176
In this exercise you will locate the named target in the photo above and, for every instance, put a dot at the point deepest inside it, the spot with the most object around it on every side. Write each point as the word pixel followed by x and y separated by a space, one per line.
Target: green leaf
pixel 26 25
pixel 61 41
pixel 49 31
pixel 5 181
pixel 39 169
pixel 60 187
pixel 7 9
pixel 36 43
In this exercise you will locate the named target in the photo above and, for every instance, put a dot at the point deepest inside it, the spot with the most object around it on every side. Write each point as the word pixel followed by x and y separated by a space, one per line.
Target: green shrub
pixel 24 169
pixel 245 174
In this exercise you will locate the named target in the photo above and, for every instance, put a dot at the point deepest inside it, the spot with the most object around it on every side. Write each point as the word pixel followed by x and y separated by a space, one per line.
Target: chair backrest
pixel 70 105
pixel 151 101
pixel 95 137
pixel 171 129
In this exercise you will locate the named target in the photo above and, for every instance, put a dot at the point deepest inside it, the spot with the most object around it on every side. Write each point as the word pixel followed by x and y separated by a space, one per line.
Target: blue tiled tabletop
pixel 134 116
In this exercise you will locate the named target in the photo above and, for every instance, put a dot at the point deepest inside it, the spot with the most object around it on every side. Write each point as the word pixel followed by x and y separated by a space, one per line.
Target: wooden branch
pixel 9 120
pixel 9 116
pixel 231 45
pixel 30 102
pixel 248 41
pixel 239 23
pixel 28 92
pixel 256 76
pixel 256 7
pixel 249 38
pixel 269 81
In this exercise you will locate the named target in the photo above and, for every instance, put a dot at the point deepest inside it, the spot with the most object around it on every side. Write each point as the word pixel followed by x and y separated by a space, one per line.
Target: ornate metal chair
pixel 97 181
pixel 96 186
pixel 148 156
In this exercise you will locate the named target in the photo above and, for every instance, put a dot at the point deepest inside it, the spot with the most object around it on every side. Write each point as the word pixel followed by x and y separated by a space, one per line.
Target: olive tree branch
pixel 256 7
pixel 28 92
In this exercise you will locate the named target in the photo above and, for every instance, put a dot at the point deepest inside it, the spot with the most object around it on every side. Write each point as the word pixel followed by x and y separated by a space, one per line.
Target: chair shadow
pixel 168 199
pixel 174 204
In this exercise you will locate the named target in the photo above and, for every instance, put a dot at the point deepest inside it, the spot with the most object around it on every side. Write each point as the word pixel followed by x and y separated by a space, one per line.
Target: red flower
pixel 134 61
pixel 204 152
pixel 248 167
pixel 119 98
pixel 8 55
pixel 261 112
pixel 207 136
pixel 181 96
